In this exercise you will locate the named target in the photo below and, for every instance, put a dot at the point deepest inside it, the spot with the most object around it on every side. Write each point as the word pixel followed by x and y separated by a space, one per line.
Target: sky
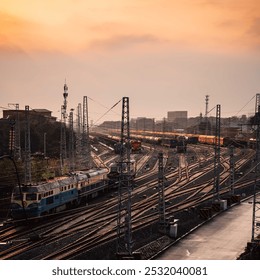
pixel 165 55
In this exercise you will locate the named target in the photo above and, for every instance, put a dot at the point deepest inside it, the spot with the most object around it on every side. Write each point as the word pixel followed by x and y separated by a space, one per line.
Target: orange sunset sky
pixel 166 55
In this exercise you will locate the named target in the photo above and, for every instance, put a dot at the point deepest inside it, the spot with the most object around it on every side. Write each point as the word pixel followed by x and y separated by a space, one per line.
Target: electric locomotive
pixel 57 194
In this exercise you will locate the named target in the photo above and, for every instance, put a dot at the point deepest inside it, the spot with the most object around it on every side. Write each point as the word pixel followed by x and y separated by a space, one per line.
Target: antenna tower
pixel 206 112
pixel 207 104
pixel 63 149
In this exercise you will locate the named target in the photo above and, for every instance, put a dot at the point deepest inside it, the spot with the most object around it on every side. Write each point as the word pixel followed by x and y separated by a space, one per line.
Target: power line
pixel 107 112
pixel 253 97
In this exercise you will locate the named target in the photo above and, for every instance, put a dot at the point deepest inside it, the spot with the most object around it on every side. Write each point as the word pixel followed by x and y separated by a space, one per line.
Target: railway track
pixel 90 226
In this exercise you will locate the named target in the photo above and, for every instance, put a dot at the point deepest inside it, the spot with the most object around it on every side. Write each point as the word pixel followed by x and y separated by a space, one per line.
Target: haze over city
pixel 165 55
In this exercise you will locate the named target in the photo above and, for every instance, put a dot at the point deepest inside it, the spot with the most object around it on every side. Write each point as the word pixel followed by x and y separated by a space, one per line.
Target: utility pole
pixel 63 149
pixel 27 170
pixel 256 200
pixel 85 135
pixel 217 153
pixel 124 219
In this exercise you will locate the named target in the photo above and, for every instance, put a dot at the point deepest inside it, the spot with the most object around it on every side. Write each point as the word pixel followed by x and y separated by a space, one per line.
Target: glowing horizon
pixel 73 26
pixel 165 55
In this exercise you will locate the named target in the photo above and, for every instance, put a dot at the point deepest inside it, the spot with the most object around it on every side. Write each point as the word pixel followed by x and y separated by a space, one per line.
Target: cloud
pixel 252 34
pixel 11 51
pixel 124 41
pixel 254 29
pixel 16 33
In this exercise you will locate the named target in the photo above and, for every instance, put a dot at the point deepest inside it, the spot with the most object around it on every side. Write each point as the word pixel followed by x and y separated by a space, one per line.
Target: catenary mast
pixel 217 153
pixel 124 219
pixel 71 142
pixel 87 162
pixel 17 138
pixel 255 239
pixel 27 171
pixel 162 217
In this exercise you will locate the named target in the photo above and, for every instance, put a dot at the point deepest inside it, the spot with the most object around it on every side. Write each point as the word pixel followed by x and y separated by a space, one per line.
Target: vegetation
pixel 42 168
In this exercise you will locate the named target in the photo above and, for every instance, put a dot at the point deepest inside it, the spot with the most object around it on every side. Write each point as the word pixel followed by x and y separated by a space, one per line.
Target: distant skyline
pixel 165 55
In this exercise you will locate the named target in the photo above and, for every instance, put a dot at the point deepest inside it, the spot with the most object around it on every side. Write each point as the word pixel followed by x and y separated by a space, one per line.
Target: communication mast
pixel 63 149
pixel 217 152
pixel 124 219
pixel 85 135
pixel 256 200
pixel 27 170
pixel 206 112
pixel 207 104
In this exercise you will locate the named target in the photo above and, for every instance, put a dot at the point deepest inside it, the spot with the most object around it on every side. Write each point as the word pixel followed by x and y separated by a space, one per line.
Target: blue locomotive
pixel 57 194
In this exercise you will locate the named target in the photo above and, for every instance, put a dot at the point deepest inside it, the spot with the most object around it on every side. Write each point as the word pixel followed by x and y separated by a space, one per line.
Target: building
pixel 179 119
pixel 141 123
pixel 13 114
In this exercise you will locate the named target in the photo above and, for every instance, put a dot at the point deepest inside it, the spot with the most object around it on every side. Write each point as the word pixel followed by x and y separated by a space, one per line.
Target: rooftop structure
pixel 12 114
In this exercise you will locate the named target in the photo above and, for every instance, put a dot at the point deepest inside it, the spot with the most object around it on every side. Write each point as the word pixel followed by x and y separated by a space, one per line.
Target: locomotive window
pixel 31 196
pixel 17 197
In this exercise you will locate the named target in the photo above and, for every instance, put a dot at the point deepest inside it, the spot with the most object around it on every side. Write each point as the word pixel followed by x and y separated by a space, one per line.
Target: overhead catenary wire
pixel 211 109
pixel 253 97
pixel 107 112
pixel 102 105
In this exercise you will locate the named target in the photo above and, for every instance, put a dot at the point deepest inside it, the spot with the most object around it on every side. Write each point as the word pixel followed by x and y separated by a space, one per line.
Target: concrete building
pixel 12 114
pixel 145 124
pixel 179 119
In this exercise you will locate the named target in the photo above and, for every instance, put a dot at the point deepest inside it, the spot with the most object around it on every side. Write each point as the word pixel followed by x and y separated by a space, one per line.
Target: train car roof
pixel 92 172
pixel 50 185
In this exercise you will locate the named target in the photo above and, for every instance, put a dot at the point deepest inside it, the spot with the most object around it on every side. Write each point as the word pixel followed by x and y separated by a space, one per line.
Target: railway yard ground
pixel 90 231
pixel 222 238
